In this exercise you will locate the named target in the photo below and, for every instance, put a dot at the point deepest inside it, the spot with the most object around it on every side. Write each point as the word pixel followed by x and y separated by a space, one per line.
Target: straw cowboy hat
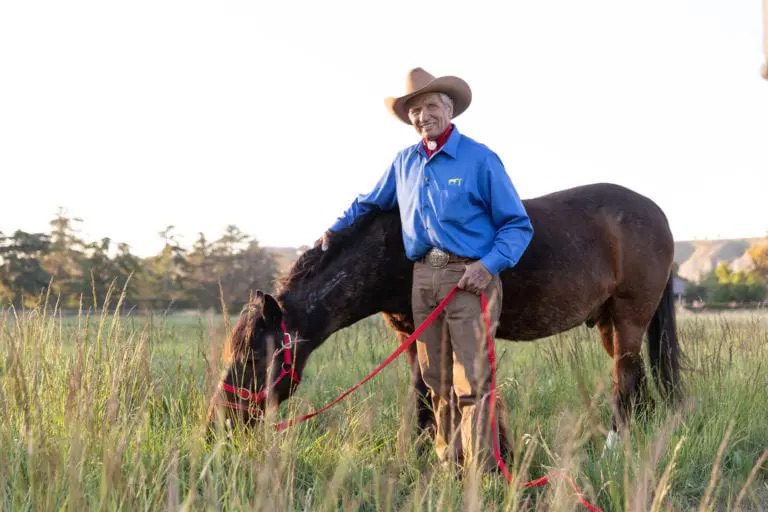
pixel 419 81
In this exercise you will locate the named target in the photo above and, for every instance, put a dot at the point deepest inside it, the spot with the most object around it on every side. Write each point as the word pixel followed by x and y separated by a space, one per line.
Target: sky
pixel 269 115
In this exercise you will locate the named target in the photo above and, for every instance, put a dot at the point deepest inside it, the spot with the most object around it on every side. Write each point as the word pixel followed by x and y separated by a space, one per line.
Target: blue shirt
pixel 460 200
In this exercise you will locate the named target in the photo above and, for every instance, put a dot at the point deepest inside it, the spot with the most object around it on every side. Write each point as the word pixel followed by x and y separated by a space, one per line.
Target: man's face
pixel 429 115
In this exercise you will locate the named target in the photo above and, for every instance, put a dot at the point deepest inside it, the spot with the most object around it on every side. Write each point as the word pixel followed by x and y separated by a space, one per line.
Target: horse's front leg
pixel 402 324
pixel 424 414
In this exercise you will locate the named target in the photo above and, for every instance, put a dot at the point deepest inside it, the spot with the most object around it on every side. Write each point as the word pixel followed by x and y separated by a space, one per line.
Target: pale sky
pixel 269 115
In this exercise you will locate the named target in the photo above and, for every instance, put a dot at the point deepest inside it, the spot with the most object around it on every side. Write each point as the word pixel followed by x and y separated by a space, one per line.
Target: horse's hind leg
pixel 630 390
pixel 605 328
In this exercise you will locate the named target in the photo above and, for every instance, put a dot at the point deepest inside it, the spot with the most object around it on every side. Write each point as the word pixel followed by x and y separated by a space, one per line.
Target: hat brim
pixel 453 86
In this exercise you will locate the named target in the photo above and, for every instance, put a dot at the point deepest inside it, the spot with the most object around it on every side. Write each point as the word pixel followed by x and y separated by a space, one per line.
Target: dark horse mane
pixel 309 264
pixel 238 345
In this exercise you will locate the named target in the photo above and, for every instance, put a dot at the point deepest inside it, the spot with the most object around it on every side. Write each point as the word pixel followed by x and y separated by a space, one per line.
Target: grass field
pixel 107 412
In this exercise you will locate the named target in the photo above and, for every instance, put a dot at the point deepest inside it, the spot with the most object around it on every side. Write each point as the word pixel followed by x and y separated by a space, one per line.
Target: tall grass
pixel 107 411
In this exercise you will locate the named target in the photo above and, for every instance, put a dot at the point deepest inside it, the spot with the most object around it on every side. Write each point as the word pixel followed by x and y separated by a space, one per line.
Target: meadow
pixel 107 411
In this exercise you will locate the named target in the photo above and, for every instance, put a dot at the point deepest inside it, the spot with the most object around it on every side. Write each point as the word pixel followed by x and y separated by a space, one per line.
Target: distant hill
pixel 699 257
pixel 695 258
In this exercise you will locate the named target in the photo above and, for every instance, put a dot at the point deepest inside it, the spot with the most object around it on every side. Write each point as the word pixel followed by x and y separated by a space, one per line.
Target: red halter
pixel 286 370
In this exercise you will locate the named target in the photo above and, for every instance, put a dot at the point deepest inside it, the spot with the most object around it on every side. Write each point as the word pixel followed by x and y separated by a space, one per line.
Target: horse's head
pixel 363 272
pixel 262 371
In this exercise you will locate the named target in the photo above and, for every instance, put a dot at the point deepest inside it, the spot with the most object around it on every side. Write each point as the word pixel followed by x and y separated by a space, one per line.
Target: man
pixel 463 223
pixel 765 38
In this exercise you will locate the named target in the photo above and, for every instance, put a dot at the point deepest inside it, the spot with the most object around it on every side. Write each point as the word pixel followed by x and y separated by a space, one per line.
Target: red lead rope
pixel 539 482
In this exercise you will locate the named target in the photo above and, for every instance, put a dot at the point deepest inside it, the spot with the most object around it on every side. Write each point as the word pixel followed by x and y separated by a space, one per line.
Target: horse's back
pixel 597 198
pixel 590 243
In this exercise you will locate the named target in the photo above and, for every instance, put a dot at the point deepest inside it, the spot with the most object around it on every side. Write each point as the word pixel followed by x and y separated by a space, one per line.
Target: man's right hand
pixel 324 241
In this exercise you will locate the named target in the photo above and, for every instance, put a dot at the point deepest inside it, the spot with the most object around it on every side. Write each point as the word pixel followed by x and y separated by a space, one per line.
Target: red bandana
pixel 440 141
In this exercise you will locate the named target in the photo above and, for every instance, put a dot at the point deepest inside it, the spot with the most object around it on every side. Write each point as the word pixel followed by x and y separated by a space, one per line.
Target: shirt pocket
pixel 454 205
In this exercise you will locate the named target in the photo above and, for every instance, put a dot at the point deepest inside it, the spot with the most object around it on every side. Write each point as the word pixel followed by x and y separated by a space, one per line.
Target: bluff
pixel 696 258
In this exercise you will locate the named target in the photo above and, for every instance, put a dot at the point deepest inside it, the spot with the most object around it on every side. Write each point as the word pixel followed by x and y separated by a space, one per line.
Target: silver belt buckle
pixel 438 258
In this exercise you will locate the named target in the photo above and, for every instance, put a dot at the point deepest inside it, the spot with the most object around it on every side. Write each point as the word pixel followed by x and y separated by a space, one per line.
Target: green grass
pixel 108 412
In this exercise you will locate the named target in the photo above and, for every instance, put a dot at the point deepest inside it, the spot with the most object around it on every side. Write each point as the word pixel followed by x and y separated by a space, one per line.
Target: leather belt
pixel 439 258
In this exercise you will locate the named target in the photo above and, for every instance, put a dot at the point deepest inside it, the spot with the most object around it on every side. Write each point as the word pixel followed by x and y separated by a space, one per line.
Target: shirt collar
pixel 450 147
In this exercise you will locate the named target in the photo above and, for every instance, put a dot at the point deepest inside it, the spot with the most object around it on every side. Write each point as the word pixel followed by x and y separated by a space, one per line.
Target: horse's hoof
pixel 610 442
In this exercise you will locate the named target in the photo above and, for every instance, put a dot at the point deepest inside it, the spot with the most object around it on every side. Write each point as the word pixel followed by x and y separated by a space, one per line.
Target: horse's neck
pixel 318 309
pixel 375 277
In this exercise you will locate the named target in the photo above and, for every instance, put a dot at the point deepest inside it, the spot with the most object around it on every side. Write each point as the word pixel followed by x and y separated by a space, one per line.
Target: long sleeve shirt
pixel 460 200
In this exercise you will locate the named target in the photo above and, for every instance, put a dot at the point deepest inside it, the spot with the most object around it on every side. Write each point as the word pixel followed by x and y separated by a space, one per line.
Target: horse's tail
pixel 663 347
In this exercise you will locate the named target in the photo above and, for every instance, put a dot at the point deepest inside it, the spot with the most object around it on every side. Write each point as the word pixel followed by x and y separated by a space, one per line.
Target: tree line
pixel 65 268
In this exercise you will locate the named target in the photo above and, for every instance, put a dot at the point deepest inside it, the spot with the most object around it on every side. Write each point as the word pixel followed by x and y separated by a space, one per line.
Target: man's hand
pixel 475 279
pixel 324 241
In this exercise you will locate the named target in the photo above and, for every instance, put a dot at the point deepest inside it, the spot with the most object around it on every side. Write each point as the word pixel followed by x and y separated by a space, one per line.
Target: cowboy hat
pixel 419 81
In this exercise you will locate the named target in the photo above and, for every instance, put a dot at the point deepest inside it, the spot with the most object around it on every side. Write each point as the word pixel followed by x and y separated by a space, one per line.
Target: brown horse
pixel 601 255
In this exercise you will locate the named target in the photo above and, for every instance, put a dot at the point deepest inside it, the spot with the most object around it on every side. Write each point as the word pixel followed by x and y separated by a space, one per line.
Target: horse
pixel 601 255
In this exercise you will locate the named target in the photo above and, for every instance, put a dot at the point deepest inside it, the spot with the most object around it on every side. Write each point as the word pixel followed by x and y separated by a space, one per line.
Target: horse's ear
pixel 270 309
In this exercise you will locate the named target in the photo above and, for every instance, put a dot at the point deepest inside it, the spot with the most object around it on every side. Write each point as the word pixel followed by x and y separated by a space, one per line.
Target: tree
pixel 238 267
pixel 201 281
pixel 129 269
pixel 164 273
pixel 228 264
pixel 231 242
pixel 65 259
pixel 724 285
pixel 260 268
pixel 23 279
pixel 234 264
pixel 99 273
pixel 759 254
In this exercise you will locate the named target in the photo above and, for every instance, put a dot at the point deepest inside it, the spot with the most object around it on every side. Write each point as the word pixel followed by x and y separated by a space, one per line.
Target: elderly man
pixel 463 223
pixel 765 38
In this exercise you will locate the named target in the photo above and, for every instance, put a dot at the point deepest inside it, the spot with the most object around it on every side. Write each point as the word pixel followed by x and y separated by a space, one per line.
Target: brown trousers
pixel 453 357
